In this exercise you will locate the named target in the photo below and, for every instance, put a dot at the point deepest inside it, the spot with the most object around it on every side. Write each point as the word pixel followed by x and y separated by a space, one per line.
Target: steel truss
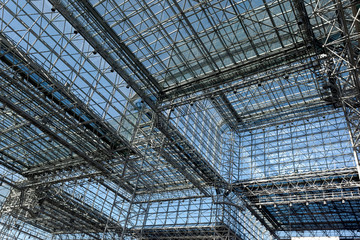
pixel 292 196
pixel 179 119
pixel 343 65
pixel 303 188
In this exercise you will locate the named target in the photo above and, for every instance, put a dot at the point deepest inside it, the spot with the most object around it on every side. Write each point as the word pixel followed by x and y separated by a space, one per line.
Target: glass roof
pixel 130 111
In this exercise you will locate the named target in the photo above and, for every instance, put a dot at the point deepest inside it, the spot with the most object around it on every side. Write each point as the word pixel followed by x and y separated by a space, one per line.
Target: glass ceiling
pixel 132 110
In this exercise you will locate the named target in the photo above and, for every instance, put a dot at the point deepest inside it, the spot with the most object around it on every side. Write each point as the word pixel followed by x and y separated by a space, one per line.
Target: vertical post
pixel 354 139
pixel 131 202
pixel 347 80
pixel 350 104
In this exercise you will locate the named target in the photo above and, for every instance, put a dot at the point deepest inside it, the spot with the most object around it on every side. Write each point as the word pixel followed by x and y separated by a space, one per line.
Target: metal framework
pixel 179 119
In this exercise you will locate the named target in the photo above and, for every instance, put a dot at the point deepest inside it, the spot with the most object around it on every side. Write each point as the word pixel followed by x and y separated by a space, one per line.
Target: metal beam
pixel 305 26
pixel 51 88
pixel 185 152
pixel 109 173
pixel 227 112
pixel 342 67
pixel 239 71
pixel 234 86
pixel 333 185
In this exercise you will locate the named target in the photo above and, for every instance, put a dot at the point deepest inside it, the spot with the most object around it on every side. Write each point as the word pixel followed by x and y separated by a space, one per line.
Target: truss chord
pixel 179 119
